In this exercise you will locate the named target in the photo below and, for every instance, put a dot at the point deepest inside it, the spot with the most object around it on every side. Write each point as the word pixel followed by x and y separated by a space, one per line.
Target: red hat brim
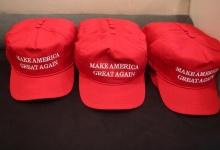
pixel 111 97
pixel 26 88
pixel 202 101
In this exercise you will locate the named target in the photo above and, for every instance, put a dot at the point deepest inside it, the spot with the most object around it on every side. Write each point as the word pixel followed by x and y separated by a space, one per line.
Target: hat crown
pixel 41 47
pixel 191 59
pixel 110 51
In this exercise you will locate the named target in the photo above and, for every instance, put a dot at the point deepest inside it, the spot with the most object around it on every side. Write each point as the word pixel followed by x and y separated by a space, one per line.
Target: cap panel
pixel 112 57
pixel 31 54
pixel 181 59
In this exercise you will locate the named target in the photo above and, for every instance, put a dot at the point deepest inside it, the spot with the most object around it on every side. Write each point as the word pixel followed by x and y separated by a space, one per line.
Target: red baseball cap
pixel 40 52
pixel 185 61
pixel 111 55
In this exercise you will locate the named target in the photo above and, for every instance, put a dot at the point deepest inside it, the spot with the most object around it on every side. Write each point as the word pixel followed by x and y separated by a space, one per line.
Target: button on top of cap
pixel 110 23
pixel 41 22
pixel 112 26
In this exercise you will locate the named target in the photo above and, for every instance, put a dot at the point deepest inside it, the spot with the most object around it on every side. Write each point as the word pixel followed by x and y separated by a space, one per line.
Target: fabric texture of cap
pixel 185 61
pixel 111 55
pixel 40 52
